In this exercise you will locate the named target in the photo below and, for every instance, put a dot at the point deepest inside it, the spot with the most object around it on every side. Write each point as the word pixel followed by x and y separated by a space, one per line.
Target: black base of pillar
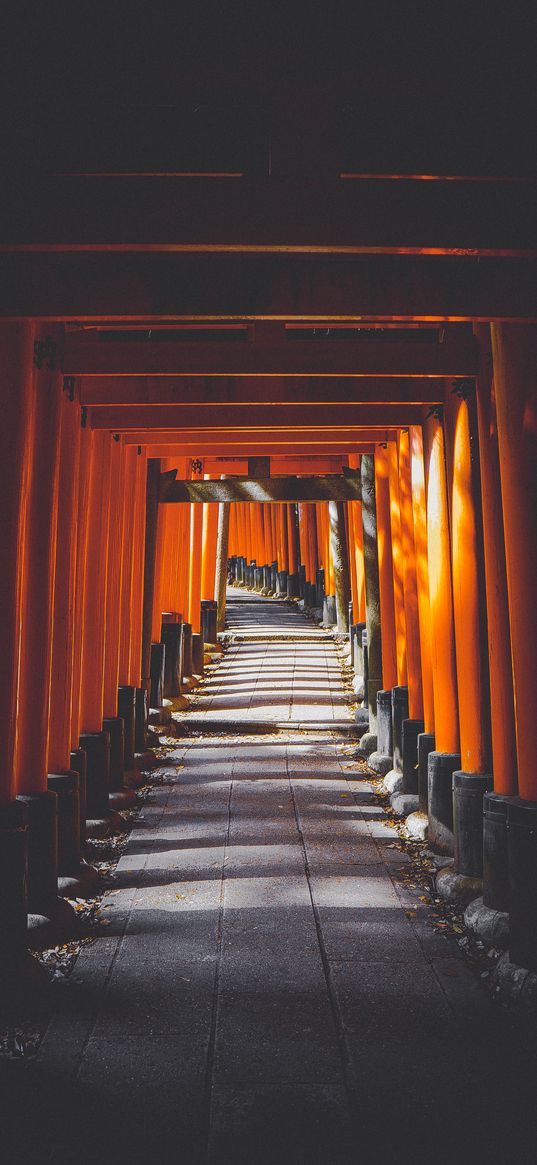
pixel 126 708
pixel 329 611
pixel 187 651
pixel 197 654
pixel 425 745
pixel 79 764
pixel 468 793
pixel 381 760
pixel 209 613
pixel 399 713
pixel 282 582
pixel 96 745
pixel 54 918
pixel 411 730
pixel 292 586
pixel 115 727
pixel 495 857
pixel 157 666
pixel 140 720
pixel 66 786
pixel 522 857
pixel 441 767
pixel 14 821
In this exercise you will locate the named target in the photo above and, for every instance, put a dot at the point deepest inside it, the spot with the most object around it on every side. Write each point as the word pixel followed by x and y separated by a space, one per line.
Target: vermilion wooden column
pixel 94 612
pixel 441 596
pixel 419 507
pixel 397 560
pixel 17 404
pixel 514 348
pixel 194 597
pixel 130 566
pixel 137 599
pixel 386 575
pixel 38 583
pixel 115 561
pixel 209 538
pixel 468 597
pixel 499 639
pixel 160 568
pixel 86 454
pixel 64 630
pixel 412 629
pixel 446 759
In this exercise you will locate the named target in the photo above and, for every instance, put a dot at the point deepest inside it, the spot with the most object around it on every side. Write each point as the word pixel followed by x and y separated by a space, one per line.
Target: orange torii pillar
pixel 356 549
pixel 94 739
pixel 76 877
pixel 209 606
pixel 417 824
pixel 225 510
pixel 131 701
pixel 368 742
pixel 474 777
pixel 414 725
pixel 329 600
pixel 17 400
pixel 493 912
pixel 445 760
pixel 283 548
pixel 292 544
pixel 514 348
pixel 39 568
pixel 113 723
pixel 381 759
pixel 399 694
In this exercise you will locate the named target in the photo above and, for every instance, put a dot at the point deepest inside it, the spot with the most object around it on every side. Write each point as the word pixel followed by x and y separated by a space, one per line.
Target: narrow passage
pixel 265 991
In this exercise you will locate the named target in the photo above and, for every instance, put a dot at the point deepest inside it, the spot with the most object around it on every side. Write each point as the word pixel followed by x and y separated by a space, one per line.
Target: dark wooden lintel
pixel 331 487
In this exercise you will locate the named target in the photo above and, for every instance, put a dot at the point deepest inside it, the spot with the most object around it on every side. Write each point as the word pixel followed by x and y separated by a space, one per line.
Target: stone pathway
pixel 265 992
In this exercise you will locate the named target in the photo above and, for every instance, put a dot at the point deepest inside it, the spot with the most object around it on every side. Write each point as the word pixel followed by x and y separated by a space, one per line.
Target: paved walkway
pixel 265 993
pixel 280 667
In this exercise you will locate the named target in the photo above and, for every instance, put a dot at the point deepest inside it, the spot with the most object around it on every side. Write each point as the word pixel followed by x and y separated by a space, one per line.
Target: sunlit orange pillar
pixel 446 759
pixel 135 639
pixel 410 584
pixel 397 561
pixel 419 508
pixel 194 597
pixel 17 409
pixel 386 576
pixel 208 561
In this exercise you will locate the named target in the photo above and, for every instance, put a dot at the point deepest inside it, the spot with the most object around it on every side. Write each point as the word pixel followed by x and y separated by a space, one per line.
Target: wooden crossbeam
pixel 174 213
pixel 146 287
pixel 254 448
pixel 276 438
pixel 181 418
pixel 278 489
pixel 87 354
pixel 209 392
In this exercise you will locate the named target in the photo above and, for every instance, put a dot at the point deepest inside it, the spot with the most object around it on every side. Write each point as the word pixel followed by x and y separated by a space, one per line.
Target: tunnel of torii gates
pixel 356 432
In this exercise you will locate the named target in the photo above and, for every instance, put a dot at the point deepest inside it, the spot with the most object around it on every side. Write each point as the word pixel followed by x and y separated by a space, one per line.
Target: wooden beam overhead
pixel 170 213
pixel 277 489
pixel 209 393
pixel 227 418
pixel 240 439
pixel 88 354
pixel 208 450
pixel 154 287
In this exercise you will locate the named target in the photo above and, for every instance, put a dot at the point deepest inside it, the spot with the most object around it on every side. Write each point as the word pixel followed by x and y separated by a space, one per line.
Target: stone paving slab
pixel 265 991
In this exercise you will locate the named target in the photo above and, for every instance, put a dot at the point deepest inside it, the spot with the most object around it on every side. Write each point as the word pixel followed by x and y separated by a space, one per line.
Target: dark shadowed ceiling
pixel 427 88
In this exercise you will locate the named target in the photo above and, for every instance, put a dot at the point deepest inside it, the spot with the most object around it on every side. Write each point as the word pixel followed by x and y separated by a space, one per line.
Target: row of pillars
pixel 450 552
pixel 72 694
pixel 310 551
